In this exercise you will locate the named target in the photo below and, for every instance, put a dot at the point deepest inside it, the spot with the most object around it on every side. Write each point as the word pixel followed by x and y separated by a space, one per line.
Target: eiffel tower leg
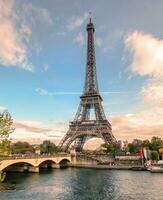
pixel 79 143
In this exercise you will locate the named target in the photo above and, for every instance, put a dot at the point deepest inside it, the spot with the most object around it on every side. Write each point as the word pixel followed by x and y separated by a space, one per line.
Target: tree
pixel 22 148
pixel 154 155
pixel 146 143
pixel 111 148
pixel 5 131
pixel 131 148
pixel 156 143
pixel 48 147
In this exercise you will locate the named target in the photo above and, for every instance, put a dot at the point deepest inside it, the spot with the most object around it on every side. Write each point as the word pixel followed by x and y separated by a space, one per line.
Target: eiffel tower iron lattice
pixel 83 127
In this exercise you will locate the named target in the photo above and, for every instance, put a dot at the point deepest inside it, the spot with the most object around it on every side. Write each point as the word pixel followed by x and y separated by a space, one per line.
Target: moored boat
pixel 157 167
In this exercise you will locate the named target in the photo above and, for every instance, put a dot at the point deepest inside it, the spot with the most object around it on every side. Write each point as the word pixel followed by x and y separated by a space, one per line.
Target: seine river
pixel 83 184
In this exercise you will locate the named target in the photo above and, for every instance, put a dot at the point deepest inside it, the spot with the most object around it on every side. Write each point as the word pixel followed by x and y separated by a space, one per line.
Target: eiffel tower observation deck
pixel 90 120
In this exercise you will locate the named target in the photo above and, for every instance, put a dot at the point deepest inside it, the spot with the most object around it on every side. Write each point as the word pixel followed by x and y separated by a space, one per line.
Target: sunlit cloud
pixel 147 60
pixel 76 22
pixel 16 32
pixel 13 47
pixel 146 52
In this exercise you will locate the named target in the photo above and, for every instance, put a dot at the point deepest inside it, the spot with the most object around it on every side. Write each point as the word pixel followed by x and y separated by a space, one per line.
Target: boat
pixel 157 167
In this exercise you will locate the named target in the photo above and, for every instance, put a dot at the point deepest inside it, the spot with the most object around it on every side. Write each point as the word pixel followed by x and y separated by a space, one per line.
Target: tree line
pixel 134 147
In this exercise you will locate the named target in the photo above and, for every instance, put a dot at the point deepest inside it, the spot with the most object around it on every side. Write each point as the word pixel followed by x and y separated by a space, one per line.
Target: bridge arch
pixel 64 160
pixel 14 163
pixel 47 160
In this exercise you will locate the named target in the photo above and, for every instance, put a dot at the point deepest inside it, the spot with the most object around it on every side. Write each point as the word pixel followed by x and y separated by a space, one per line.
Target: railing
pixel 24 156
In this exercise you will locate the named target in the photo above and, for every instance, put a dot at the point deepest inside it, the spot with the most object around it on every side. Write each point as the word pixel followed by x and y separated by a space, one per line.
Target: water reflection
pixel 83 184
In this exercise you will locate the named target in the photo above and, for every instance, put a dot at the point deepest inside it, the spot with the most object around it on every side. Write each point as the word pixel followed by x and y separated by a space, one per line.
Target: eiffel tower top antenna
pixel 90 16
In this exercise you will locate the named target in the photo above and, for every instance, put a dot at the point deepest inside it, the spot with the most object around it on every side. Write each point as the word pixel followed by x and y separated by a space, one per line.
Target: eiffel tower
pixel 83 127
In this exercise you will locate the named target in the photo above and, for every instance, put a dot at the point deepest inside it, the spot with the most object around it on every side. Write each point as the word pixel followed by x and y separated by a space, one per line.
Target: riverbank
pixel 112 167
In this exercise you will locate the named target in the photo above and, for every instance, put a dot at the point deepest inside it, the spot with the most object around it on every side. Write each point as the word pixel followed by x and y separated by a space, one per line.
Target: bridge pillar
pixel 33 169
pixel 55 166
pixel 73 156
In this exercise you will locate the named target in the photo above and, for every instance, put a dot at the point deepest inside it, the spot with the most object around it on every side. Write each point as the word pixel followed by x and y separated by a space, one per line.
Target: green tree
pixel 22 148
pixel 131 148
pixel 146 143
pixel 5 131
pixel 154 155
pixel 156 143
pixel 111 148
pixel 48 147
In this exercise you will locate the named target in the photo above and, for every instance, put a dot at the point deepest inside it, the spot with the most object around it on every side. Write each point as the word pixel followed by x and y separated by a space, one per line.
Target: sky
pixel 43 59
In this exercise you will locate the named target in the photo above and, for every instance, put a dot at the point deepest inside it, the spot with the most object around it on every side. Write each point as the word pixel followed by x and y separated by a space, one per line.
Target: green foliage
pixel 154 155
pixel 22 148
pixel 48 147
pixel 134 147
pixel 131 148
pixel 146 143
pixel 2 176
pixel 111 148
pixel 5 131
pixel 156 143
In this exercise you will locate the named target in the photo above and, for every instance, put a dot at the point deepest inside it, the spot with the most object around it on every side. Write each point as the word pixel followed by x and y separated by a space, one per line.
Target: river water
pixel 83 184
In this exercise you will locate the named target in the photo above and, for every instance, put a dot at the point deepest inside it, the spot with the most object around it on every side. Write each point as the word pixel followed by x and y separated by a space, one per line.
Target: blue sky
pixel 43 57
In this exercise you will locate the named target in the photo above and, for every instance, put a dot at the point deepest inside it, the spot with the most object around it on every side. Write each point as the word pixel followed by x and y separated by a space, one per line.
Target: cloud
pixel 16 30
pixel 142 125
pixel 80 39
pixel 147 54
pixel 46 67
pixel 13 48
pixel 42 91
pixel 98 41
pixel 77 22
pixel 2 109
pixel 30 128
pixel 37 14
pixel 37 131
pixel 153 93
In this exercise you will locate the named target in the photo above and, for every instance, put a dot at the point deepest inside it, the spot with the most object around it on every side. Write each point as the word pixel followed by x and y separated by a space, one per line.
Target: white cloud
pixel 76 22
pixel 42 91
pixel 46 67
pixel 80 39
pixel 34 13
pixel 98 41
pixel 2 109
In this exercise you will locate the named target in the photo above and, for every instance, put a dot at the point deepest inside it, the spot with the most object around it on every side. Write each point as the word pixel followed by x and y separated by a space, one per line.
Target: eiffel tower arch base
pixel 80 133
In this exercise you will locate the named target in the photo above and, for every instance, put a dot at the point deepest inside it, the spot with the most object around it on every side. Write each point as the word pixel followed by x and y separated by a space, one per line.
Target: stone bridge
pixel 34 163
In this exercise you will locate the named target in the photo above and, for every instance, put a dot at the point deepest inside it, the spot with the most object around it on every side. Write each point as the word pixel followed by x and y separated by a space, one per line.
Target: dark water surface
pixel 83 184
